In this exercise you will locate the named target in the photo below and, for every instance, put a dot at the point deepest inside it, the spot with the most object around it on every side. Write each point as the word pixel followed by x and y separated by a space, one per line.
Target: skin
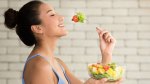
pixel 107 43
pixel 47 34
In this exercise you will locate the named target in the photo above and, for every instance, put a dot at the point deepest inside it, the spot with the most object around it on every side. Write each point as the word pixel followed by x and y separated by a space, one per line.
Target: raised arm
pixel 107 43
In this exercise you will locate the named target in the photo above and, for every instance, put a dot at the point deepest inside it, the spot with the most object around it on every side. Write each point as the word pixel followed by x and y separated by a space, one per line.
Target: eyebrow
pixel 48 11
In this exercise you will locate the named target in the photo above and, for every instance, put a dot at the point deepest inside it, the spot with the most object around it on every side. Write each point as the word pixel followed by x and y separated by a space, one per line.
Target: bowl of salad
pixel 111 71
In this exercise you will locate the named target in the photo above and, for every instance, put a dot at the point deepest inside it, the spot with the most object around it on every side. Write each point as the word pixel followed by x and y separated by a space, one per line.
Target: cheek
pixel 52 23
pixel 51 29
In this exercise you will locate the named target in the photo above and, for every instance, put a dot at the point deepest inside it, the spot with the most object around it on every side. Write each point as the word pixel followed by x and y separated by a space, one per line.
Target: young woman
pixel 37 23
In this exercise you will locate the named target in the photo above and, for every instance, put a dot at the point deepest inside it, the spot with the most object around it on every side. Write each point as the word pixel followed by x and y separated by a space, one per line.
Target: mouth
pixel 61 25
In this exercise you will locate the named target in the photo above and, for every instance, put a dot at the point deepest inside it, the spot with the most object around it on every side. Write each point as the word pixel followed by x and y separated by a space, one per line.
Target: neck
pixel 47 47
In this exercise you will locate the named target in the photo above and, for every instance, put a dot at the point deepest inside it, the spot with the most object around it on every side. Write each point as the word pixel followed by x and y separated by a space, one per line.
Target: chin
pixel 63 34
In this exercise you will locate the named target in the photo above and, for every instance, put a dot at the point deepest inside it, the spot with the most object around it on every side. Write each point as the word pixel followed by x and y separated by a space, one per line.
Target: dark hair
pixel 23 19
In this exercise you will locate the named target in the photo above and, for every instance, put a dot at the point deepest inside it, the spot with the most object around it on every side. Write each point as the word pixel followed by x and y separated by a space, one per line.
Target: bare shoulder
pixel 38 71
pixel 38 63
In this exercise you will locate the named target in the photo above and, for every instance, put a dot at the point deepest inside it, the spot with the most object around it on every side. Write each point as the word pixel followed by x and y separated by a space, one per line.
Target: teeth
pixel 61 25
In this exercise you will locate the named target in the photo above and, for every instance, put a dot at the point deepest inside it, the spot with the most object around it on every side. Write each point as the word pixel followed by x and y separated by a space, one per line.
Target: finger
pixel 109 39
pixel 115 82
pixel 107 35
pixel 120 80
pixel 103 80
pixel 99 31
pixel 103 33
pixel 98 28
pixel 113 40
pixel 112 82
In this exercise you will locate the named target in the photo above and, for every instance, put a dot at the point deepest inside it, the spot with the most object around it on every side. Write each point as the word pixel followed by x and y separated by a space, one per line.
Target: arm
pixel 107 43
pixel 75 80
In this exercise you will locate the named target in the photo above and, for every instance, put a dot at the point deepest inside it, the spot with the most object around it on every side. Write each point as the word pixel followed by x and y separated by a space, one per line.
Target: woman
pixel 37 23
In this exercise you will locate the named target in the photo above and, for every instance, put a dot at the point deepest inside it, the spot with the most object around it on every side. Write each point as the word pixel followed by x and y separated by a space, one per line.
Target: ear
pixel 37 29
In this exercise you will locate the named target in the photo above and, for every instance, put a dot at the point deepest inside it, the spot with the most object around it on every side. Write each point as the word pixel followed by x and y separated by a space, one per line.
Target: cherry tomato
pixel 75 18
pixel 106 67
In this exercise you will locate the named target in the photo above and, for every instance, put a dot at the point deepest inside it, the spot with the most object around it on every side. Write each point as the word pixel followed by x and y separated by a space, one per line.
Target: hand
pixel 101 81
pixel 107 43
pixel 115 82
pixel 94 81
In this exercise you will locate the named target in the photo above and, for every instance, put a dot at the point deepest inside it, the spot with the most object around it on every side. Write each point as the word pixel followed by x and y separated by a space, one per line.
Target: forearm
pixel 106 58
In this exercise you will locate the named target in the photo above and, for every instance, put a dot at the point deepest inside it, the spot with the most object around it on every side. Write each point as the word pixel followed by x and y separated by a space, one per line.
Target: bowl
pixel 111 71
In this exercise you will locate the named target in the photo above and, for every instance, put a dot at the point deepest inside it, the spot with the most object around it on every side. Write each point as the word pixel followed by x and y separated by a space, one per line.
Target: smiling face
pixel 52 23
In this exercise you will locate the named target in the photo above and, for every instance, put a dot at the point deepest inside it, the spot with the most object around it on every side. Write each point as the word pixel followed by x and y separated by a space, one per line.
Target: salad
pixel 79 17
pixel 110 71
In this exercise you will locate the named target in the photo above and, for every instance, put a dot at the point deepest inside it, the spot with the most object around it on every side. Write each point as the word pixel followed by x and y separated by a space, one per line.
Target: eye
pixel 52 15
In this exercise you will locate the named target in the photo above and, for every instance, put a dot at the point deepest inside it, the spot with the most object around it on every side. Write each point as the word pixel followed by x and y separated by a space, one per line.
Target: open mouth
pixel 61 25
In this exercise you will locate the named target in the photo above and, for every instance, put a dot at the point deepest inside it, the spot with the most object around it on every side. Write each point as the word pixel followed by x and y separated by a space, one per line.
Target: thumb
pixel 103 80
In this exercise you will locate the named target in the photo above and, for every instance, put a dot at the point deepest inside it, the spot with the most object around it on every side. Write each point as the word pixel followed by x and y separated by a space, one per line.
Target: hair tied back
pixel 11 17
